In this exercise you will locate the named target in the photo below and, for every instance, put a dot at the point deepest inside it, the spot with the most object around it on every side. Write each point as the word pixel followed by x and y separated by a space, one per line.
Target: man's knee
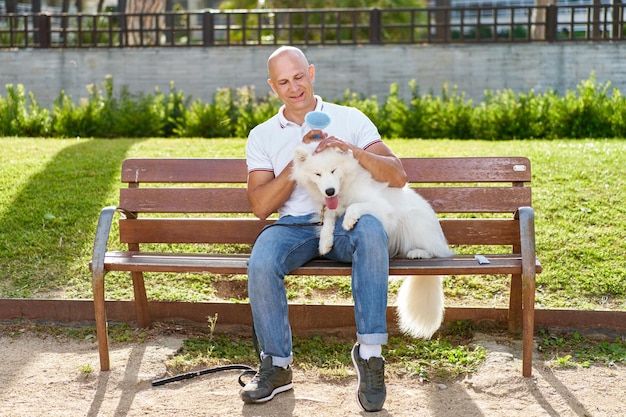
pixel 371 226
pixel 260 265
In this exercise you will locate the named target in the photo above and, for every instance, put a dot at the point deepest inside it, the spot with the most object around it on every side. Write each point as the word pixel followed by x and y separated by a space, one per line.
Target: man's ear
pixel 269 81
pixel 312 72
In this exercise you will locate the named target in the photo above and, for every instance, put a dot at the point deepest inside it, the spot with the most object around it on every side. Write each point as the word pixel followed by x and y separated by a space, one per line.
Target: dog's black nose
pixel 330 192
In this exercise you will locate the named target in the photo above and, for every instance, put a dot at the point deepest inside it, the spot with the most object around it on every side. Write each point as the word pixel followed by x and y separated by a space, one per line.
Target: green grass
pixel 442 357
pixel 574 350
pixel 448 356
pixel 52 190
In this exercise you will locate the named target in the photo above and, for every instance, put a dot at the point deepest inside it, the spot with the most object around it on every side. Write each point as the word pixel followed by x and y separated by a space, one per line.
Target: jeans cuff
pixel 278 361
pixel 372 338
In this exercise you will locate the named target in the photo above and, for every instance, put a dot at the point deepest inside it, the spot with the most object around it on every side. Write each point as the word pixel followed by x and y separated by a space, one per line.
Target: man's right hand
pixel 314 135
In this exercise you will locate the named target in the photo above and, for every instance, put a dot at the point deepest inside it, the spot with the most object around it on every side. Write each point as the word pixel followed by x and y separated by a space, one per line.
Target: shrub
pixel 397 119
pixel 209 119
pixel 592 110
pixel 505 115
pixel 584 113
pixel 19 118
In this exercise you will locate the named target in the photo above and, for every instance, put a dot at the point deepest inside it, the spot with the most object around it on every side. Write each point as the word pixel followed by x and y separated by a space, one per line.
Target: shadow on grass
pixel 46 234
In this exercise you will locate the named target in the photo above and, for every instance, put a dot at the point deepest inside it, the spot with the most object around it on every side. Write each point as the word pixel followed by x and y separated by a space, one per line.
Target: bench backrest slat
pixel 185 200
pixel 476 169
pixel 235 200
pixel 180 170
pixel 457 231
pixel 425 170
pixel 190 230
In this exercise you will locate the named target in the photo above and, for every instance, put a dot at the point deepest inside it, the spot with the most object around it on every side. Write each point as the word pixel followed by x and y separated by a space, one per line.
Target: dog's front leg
pixel 327 232
pixel 353 214
pixel 383 212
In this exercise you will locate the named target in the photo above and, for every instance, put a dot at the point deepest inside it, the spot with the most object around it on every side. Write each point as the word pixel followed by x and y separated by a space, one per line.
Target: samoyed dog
pixel 337 181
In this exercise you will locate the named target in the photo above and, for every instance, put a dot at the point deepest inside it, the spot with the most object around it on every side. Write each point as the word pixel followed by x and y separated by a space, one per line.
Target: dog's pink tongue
pixel 332 202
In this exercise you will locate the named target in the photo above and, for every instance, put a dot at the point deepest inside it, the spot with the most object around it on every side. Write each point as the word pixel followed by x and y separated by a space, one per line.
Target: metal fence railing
pixel 214 28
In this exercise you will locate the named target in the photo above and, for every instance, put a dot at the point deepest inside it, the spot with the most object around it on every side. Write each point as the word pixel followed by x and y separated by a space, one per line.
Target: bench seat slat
pixel 238 230
pixel 235 200
pixel 237 264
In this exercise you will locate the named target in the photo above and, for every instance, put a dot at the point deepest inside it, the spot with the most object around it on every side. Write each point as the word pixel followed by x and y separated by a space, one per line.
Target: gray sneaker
pixel 269 381
pixel 371 391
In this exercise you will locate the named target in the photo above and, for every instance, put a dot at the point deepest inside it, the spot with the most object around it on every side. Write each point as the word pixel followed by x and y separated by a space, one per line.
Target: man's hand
pixel 334 142
pixel 314 135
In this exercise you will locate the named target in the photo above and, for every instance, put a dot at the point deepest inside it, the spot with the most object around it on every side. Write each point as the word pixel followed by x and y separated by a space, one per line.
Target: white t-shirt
pixel 271 145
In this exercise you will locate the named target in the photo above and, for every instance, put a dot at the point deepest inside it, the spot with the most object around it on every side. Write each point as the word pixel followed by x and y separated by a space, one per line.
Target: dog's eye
pixel 333 171
pixel 318 174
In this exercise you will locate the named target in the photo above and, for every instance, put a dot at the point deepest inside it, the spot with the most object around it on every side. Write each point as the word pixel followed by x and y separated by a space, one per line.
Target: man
pixel 294 241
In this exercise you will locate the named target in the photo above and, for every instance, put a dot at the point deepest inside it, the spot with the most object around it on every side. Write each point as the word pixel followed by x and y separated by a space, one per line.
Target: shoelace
pixel 374 379
pixel 264 374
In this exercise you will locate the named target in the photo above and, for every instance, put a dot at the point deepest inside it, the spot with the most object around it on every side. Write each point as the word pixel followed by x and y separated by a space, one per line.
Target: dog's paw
pixel 351 217
pixel 325 247
pixel 418 254
pixel 349 222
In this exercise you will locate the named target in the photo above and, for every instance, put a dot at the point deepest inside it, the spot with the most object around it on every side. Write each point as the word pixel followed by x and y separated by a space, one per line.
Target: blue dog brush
pixel 317 120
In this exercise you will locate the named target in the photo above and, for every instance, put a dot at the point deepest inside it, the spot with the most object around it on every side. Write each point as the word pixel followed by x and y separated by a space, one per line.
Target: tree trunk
pixel 143 29
pixel 538 31
pixel 442 21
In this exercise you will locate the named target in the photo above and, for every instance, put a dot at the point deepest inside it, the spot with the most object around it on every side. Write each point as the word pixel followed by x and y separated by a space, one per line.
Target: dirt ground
pixel 42 375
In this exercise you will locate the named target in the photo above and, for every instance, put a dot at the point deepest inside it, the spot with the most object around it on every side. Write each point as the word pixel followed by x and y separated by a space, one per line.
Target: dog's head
pixel 323 174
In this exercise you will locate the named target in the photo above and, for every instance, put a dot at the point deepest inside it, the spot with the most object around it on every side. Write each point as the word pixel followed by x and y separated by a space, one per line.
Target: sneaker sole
pixel 277 390
pixel 358 377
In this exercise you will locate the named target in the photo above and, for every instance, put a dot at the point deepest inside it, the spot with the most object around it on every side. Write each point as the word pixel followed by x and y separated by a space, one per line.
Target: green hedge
pixel 591 111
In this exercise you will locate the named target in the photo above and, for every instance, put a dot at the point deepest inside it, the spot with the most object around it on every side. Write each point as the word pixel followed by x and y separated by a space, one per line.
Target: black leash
pixel 248 370
pixel 188 375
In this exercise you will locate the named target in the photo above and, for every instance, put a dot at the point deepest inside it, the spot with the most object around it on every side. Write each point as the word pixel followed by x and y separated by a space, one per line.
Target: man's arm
pixel 267 193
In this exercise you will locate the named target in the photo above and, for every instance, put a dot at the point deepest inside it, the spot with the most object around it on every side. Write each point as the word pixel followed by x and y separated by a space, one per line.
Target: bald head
pixel 290 52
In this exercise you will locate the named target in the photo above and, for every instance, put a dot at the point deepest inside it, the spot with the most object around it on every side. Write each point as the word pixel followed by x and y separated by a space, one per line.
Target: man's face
pixel 291 78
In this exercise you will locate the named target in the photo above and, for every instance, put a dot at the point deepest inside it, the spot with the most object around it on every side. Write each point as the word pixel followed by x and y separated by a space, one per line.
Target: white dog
pixel 338 182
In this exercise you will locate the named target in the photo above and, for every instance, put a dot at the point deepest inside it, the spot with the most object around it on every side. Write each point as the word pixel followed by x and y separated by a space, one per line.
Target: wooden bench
pixel 203 201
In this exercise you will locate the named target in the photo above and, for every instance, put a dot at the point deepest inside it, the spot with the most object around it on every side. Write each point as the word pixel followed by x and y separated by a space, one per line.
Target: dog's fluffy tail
pixel 420 305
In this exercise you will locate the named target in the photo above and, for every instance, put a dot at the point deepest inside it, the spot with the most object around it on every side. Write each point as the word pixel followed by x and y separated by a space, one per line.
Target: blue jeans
pixel 281 248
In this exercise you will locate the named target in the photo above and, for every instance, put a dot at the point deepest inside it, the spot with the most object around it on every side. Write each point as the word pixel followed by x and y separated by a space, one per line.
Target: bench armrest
pixel 526 217
pixel 102 237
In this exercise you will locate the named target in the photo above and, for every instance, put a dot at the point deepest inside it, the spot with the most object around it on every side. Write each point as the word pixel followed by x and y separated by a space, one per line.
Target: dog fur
pixel 336 180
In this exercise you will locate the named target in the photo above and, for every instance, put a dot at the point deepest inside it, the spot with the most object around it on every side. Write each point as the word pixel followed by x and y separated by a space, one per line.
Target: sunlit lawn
pixel 51 192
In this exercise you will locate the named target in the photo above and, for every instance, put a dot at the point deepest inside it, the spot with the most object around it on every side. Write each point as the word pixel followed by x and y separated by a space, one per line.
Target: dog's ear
pixel 301 154
pixel 342 152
